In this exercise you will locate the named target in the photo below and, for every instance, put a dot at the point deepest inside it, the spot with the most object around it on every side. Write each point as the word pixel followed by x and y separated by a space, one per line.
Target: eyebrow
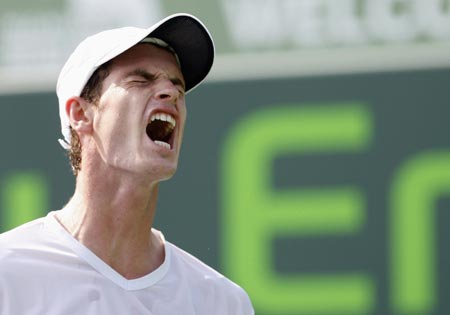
pixel 151 77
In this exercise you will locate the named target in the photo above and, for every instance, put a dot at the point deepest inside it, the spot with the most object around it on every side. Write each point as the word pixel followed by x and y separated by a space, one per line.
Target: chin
pixel 163 173
pixel 165 178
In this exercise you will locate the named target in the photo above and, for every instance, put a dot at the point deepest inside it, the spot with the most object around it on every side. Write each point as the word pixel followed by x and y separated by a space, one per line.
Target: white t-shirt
pixel 44 270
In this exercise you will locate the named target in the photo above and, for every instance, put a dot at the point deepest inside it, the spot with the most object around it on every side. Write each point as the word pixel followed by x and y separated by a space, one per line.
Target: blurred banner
pixel 315 170
pixel 239 25
pixel 320 195
pixel 301 35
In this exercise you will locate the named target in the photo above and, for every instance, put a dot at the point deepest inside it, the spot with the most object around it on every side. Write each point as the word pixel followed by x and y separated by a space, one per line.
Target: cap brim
pixel 193 44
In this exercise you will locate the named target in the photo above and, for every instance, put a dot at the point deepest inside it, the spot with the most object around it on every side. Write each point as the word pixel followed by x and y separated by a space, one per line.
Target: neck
pixel 113 218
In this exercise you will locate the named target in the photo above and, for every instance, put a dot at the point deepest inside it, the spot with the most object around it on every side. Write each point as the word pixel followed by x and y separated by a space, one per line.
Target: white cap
pixel 184 33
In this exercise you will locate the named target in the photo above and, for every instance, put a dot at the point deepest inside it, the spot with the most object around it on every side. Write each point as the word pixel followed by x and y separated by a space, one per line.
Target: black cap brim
pixel 192 43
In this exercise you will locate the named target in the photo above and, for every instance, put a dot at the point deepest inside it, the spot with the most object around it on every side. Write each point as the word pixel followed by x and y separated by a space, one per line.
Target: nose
pixel 167 91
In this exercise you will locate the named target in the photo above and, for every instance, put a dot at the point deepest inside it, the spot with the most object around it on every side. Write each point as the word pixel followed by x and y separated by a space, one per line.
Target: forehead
pixel 147 56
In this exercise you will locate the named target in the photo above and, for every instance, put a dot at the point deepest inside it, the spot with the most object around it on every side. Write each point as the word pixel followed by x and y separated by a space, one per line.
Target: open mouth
pixel 161 129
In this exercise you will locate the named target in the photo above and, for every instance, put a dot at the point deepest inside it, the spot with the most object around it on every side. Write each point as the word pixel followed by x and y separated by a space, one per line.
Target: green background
pixel 319 195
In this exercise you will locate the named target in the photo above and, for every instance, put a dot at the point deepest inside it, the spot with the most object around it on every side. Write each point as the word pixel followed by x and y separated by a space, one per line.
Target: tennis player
pixel 122 107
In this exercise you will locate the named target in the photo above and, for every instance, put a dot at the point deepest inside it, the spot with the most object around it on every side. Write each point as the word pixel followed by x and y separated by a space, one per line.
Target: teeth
pixel 164 117
pixel 163 144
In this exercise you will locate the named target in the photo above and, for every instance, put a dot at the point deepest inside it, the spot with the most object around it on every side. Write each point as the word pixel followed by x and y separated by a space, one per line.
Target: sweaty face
pixel 138 123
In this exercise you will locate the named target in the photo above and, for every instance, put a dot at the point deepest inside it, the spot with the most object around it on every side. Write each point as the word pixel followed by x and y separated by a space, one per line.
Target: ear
pixel 80 114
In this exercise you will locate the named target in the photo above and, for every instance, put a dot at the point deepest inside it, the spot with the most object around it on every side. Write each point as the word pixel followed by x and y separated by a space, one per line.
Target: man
pixel 122 108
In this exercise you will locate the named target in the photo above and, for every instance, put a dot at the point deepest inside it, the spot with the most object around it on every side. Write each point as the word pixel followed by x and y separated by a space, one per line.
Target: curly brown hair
pixel 91 93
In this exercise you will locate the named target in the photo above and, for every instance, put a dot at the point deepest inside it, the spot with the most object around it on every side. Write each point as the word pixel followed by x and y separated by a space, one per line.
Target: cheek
pixel 112 120
pixel 183 111
pixel 183 117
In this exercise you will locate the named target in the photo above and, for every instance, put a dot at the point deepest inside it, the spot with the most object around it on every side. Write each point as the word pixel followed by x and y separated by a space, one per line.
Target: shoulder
pixel 25 241
pixel 209 284
pixel 19 253
pixel 21 235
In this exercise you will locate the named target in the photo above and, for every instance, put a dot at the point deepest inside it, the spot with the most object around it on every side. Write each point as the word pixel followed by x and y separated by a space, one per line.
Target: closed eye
pixel 178 83
pixel 139 81
pixel 141 76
